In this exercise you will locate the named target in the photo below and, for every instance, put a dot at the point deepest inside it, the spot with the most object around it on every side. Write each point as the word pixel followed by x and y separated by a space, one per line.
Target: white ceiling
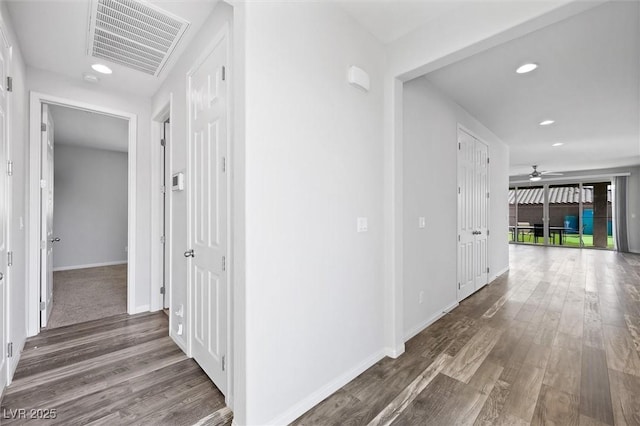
pixel 389 20
pixel 82 128
pixel 587 81
pixel 53 36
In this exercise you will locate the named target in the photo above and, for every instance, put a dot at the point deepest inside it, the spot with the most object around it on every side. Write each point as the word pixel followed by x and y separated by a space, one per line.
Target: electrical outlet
pixel 422 222
pixel 363 225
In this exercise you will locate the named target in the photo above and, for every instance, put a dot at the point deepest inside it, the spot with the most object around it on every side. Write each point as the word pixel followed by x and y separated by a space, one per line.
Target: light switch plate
pixel 363 225
pixel 422 222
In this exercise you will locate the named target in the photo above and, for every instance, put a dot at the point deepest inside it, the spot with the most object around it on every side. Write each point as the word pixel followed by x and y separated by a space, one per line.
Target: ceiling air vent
pixel 137 35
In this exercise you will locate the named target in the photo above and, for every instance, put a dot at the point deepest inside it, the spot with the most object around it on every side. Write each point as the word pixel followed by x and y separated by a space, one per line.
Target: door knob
pixel 1 276
pixel 189 253
pixel 55 240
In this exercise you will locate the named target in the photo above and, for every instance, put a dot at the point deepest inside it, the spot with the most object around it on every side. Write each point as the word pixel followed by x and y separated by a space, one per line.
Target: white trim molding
pixel 426 323
pixel 318 396
pixel 89 265
pixel 36 99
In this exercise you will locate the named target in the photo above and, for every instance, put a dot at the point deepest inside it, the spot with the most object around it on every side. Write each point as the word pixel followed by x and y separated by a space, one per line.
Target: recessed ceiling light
pixel 546 122
pixel 558 144
pixel 523 69
pixel 101 68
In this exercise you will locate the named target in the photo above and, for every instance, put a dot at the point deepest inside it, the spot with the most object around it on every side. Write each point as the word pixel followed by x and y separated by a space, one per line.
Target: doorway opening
pixel 84 211
pixel 88 234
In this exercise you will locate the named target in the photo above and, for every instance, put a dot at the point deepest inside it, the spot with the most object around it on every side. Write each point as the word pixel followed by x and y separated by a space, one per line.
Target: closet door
pixel 473 214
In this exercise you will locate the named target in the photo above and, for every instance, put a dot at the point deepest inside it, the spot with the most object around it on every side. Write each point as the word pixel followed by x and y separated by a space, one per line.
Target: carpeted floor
pixel 81 295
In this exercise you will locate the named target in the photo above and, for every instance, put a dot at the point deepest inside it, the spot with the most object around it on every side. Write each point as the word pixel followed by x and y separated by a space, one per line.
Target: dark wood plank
pixel 625 391
pixel 119 370
pixel 555 407
pixel 564 370
pixel 595 394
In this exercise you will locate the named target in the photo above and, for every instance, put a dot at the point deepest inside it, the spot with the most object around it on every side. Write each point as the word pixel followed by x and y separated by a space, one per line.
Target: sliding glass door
pixel 564 214
pixel 597 222
pixel 572 215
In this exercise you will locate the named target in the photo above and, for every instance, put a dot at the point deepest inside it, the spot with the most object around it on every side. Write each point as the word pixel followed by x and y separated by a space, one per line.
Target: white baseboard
pixel 318 396
pixel 89 265
pixel 426 323
pixel 394 352
pixel 140 309
pixel 497 274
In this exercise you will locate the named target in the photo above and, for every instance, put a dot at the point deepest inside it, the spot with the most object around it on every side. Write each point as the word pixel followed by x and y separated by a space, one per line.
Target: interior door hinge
pixel 487 269
pixel 458 286
pixel 459 190
pixel 224 263
pixel 458 237
pixel 10 349
pixel 487 232
pixel 9 84
pixel 43 245
pixel 223 362
pixel 163 142
pixel 163 239
pixel 42 306
pixel 43 127
pixel 9 258
pixel 224 73
pixel 162 290
pixel 163 189
pixel 487 195
pixel 224 164
pixel 10 168
pixel 487 160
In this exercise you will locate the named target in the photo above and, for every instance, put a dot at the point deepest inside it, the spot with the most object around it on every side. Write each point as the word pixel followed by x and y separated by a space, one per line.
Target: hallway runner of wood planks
pixel 556 340
pixel 121 370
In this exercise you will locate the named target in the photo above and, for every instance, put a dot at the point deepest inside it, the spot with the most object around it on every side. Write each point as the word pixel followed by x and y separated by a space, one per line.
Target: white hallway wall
pixel 314 156
pixel 90 206
pixel 68 88
pixel 429 184
pixel 18 145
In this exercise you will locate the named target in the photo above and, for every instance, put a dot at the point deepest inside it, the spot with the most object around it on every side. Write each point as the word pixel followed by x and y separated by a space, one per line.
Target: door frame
pixel 461 128
pixel 223 35
pixel 164 113
pixel 36 99
pixel 5 336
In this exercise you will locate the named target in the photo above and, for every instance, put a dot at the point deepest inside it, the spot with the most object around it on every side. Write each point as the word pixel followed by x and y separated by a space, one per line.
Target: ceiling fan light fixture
pixel 558 144
pixel 525 68
pixel 547 122
pixel 101 68
pixel 535 178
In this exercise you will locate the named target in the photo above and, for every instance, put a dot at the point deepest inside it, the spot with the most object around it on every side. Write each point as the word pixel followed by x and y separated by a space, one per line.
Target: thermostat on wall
pixel 177 182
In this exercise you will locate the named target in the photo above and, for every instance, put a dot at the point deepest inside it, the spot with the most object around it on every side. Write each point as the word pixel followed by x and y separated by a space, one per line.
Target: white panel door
pixel 4 218
pixel 46 214
pixel 473 212
pixel 480 214
pixel 207 191
pixel 466 219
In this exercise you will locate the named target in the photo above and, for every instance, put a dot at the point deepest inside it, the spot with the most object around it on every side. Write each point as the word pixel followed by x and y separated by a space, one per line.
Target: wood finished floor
pixel 554 341
pixel 121 370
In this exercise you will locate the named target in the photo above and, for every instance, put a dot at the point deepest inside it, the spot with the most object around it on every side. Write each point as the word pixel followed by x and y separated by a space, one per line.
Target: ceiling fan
pixel 535 175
